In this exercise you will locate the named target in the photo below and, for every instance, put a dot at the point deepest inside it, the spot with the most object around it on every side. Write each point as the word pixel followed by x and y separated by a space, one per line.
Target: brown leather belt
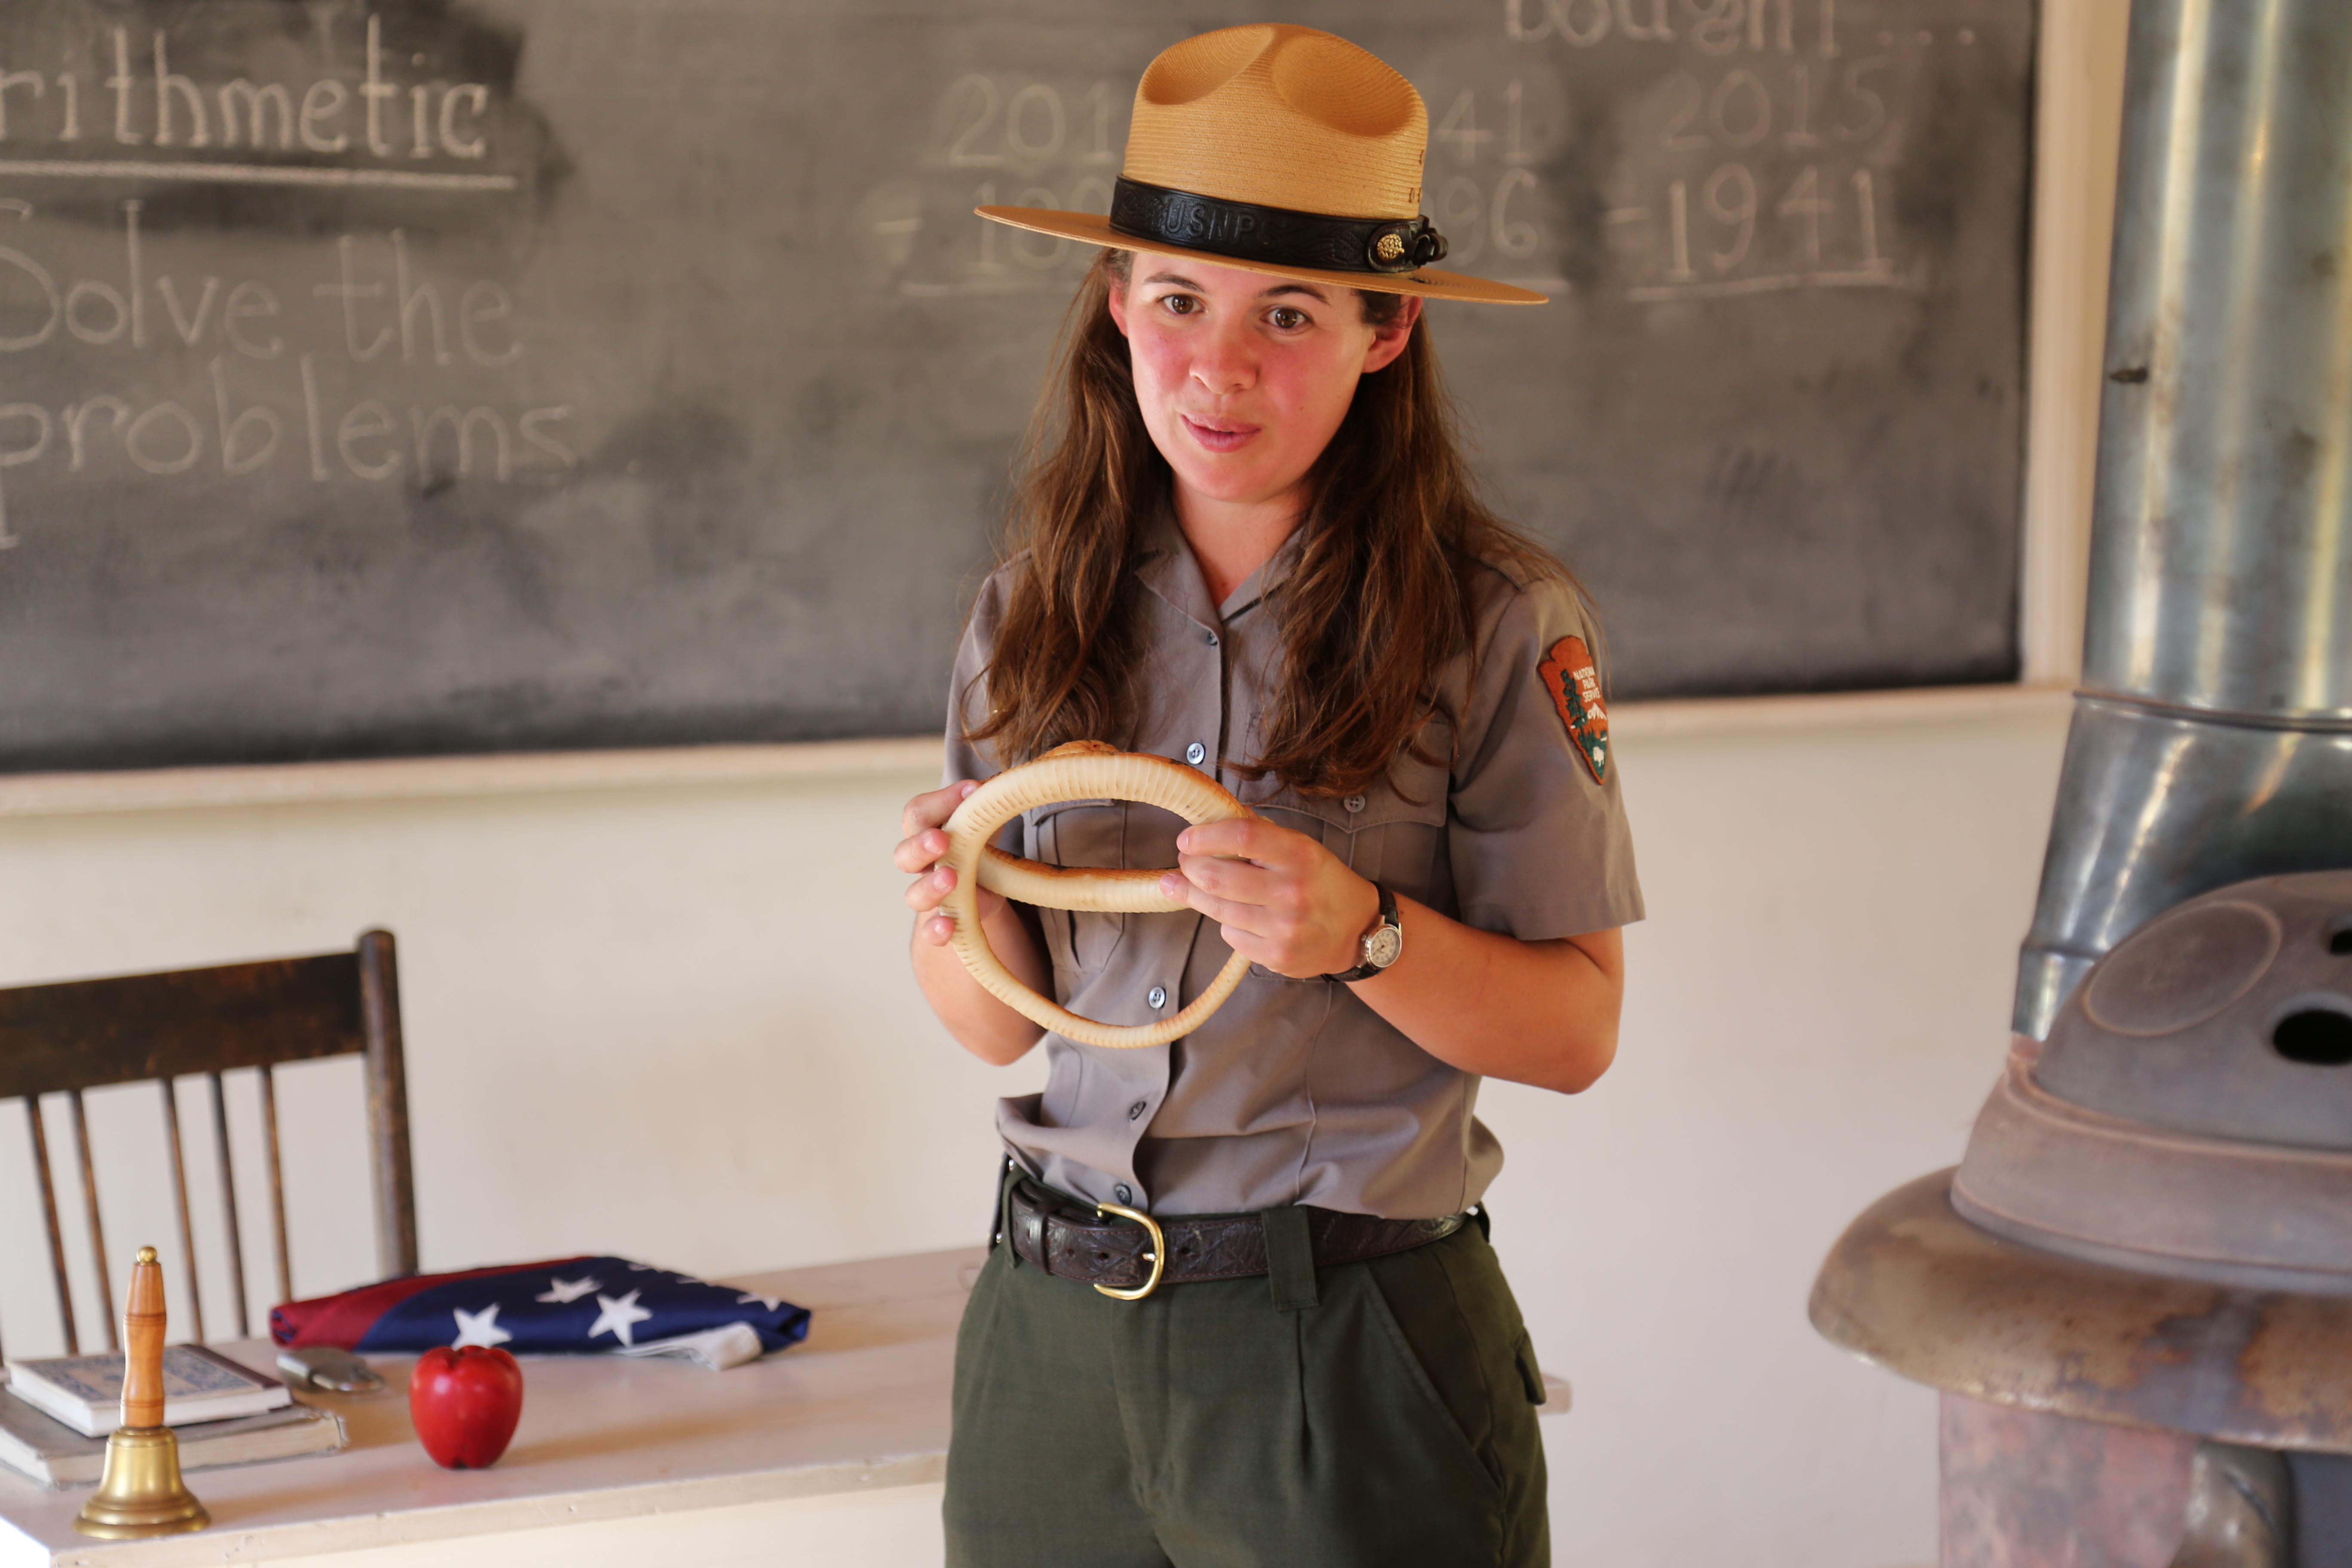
pixel 1071 1241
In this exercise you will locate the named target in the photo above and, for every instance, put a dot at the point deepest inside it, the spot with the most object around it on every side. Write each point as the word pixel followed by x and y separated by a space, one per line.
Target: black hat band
pixel 1275 235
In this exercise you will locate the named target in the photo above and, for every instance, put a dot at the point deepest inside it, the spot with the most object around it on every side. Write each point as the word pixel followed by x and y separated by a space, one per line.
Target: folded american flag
pixel 576 1304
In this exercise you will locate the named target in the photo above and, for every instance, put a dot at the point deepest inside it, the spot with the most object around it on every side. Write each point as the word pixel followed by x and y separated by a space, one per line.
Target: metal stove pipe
pixel 2212 737
pixel 2113 1275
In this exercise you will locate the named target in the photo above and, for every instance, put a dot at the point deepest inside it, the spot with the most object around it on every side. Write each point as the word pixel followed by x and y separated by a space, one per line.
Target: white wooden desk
pixel 830 1453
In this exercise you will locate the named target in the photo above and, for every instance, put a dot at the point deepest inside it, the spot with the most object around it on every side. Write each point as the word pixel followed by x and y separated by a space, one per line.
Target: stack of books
pixel 55 1415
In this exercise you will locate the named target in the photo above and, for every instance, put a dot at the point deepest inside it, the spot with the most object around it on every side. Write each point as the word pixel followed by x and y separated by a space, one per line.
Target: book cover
pixel 199 1384
pixel 55 1455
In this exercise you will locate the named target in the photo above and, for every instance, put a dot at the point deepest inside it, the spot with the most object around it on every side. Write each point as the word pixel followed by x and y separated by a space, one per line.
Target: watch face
pixel 1381 948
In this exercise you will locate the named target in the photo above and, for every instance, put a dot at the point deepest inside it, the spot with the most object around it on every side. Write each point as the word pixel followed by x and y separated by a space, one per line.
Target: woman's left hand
pixel 1285 902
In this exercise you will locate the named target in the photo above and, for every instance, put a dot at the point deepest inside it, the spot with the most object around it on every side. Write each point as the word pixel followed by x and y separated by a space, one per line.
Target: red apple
pixel 464 1404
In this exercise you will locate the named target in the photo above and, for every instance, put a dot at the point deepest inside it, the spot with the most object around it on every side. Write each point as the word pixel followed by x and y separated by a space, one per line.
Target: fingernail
pixel 968 788
pixel 1171 886
pixel 1184 843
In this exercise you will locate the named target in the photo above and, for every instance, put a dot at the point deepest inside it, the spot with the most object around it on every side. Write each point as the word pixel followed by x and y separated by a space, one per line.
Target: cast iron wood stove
pixel 2136 1289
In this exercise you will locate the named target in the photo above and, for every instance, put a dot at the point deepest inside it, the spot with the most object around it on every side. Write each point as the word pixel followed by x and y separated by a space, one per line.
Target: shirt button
pixel 1196 753
pixel 1213 640
pixel 1159 998
pixel 1123 1192
pixel 1354 802
pixel 1136 1109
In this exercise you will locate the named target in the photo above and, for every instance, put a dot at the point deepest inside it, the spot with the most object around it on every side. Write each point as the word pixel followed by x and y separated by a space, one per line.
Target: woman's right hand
pixel 923 822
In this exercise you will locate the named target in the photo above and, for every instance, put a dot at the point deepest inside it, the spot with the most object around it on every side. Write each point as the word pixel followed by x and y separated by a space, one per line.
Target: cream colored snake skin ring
pixel 1083 770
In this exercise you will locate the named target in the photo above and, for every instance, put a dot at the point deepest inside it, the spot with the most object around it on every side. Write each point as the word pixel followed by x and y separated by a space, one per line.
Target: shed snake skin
pixel 1083 770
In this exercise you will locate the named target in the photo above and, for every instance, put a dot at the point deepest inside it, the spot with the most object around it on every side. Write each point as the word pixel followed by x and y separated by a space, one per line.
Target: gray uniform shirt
pixel 1295 1092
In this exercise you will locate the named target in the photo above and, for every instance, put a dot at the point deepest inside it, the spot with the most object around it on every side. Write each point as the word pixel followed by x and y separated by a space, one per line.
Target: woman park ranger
pixel 1246 540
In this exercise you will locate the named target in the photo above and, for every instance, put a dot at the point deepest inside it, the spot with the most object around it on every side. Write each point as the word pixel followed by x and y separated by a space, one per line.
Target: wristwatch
pixel 1382 945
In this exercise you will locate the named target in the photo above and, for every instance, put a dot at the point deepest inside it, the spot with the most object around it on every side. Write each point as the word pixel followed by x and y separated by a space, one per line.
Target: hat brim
pixel 1092 228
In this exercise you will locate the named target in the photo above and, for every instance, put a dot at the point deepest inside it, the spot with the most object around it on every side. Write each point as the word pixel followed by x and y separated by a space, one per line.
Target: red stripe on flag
pixel 344 1317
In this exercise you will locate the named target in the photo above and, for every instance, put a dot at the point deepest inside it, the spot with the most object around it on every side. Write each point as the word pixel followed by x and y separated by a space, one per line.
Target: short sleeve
pixel 967 687
pixel 1535 829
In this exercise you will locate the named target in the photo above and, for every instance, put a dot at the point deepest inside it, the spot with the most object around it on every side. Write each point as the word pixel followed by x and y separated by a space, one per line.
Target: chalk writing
pixel 159 368
pixel 1758 147
pixel 150 103
pixel 282 380
pixel 1759 154
pixel 998 138
pixel 1711 27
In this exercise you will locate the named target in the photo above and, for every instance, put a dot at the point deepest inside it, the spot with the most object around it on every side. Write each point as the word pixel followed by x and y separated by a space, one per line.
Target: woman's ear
pixel 1115 294
pixel 1388 340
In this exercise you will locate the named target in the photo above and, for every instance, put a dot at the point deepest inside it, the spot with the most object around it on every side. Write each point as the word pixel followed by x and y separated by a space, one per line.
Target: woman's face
pixel 1242 377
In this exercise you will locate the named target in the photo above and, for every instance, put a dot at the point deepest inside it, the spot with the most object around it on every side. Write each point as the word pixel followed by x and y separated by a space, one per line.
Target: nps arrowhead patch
pixel 1575 686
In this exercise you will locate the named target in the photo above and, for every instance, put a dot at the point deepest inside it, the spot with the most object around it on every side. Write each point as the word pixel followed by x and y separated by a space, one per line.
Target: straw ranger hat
pixel 1280 150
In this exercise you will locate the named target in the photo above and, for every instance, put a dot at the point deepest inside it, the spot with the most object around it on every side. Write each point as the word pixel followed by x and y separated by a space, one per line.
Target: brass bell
pixel 141 1492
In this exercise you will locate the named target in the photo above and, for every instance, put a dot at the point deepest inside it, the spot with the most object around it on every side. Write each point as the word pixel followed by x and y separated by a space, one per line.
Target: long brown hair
pixel 1381 596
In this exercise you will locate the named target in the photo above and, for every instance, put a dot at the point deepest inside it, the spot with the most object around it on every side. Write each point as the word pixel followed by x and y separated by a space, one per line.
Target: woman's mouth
pixel 1219 436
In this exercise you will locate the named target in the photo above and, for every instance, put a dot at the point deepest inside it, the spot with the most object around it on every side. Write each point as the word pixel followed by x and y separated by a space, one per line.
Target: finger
pixel 920 851
pixel 1252 918
pixel 938 931
pixel 933 808
pixel 1243 881
pixel 1247 839
pixel 927 892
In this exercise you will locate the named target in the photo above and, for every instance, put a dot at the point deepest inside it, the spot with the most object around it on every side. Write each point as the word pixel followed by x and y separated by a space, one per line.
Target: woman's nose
pixel 1225 362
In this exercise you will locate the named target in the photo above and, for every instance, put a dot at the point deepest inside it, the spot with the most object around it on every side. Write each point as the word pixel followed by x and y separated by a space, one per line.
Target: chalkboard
pixel 430 376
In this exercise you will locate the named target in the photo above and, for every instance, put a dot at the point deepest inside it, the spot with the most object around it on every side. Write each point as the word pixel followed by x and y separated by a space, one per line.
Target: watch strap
pixel 1388 918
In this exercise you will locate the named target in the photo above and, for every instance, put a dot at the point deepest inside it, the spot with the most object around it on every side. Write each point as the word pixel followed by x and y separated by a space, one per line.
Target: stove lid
pixel 2227 1017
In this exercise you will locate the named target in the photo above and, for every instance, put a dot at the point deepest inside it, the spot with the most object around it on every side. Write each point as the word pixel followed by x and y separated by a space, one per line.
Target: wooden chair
pixel 87 1034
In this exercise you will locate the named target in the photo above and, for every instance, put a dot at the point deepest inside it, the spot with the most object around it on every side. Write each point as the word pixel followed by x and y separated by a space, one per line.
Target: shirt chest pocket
pixel 1383 835
pixel 1113 833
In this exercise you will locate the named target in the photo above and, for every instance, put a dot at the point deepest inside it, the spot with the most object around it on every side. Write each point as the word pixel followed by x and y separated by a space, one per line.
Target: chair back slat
pixel 243 1319
pixel 162 1027
pixel 395 1197
pixel 276 1182
pixel 87 1033
pixel 97 1230
pixel 49 1217
pixel 179 1202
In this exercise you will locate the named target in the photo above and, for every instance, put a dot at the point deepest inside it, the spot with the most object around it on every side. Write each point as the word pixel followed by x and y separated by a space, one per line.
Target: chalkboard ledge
pixel 412 778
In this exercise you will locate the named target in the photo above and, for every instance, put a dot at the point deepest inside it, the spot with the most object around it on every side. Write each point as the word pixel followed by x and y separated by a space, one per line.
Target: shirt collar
pixel 1167 567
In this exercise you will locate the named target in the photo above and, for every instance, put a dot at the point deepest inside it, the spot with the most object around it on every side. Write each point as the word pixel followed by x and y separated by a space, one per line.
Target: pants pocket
pixel 1530 1374
pixel 1433 1354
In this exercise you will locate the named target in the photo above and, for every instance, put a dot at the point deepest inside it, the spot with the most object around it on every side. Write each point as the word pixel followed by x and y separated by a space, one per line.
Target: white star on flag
pixel 480 1328
pixel 769 1302
pixel 561 1290
pixel 618 1317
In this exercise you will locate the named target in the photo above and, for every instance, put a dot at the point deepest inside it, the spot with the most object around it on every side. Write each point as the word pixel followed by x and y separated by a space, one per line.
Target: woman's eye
pixel 1180 304
pixel 1287 319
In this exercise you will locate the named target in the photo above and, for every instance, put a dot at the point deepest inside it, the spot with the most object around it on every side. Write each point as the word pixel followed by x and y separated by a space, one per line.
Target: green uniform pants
pixel 1361 1413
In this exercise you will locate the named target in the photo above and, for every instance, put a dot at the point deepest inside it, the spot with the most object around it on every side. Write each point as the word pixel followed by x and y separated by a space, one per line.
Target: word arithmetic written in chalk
pixel 74 104
pixel 140 356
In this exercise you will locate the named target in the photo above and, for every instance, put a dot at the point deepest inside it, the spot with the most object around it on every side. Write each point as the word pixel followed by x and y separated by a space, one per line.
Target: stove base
pixel 2023 1489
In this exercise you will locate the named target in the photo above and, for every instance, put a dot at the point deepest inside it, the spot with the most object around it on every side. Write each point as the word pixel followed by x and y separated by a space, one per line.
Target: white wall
pixel 672 1021
pixel 674 1024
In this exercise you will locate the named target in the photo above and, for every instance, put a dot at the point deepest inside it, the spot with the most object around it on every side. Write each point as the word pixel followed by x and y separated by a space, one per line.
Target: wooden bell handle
pixel 143 1342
